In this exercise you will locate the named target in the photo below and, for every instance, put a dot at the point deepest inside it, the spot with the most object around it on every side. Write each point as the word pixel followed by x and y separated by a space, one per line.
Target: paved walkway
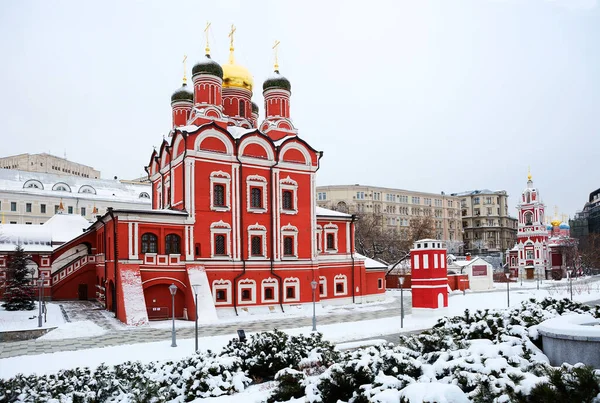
pixel 117 336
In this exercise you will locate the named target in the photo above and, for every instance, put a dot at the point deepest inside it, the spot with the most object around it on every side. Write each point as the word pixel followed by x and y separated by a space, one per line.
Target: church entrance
pixel 529 273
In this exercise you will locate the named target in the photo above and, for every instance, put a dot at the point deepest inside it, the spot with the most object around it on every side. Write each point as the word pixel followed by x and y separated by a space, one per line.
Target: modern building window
pixel 287 200
pixel 149 243
pixel 56 207
pixel 219 195
pixel 256 245
pixel 288 246
pixel 256 198
pixel 321 196
pixel 28 207
pixel 173 244
pixel 70 209
pixel 13 206
pixel 83 211
pixel 43 208
pixel 220 245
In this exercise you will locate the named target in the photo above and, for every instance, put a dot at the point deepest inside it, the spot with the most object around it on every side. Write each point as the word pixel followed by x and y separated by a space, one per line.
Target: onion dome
pixel 208 66
pixel 254 108
pixel 277 81
pixel 564 225
pixel 182 94
pixel 549 227
pixel 236 76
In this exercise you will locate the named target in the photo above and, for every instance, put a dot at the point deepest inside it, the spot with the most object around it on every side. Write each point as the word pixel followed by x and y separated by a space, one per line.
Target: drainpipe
pixel 185 207
pixel 116 256
pixel 273 212
pixel 352 256
pixel 242 232
pixel 105 267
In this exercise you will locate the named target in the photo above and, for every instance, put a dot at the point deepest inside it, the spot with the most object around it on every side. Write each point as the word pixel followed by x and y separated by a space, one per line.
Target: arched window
pixel 242 109
pixel 149 243
pixel 172 244
pixel 256 246
pixel 528 218
pixel 287 200
pixel 219 195
pixel 33 184
pixel 342 207
pixel 288 246
pixel 220 245
pixel 87 189
pixel 256 198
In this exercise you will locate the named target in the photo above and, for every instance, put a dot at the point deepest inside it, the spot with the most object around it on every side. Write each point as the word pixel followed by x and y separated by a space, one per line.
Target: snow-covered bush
pixel 201 375
pixel 290 384
pixel 264 354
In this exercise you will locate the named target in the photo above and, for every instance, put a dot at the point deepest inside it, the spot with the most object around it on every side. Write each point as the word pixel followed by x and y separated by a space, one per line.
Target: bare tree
pixel 590 251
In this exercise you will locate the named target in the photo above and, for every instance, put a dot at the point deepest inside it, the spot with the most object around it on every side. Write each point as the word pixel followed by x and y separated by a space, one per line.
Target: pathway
pixel 116 337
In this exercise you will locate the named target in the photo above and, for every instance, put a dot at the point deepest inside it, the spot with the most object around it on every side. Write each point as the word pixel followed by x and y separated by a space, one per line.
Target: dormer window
pixel 144 195
pixel 33 184
pixel 87 189
pixel 61 187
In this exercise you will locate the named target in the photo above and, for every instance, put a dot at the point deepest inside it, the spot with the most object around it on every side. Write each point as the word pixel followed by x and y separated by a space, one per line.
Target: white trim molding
pixel 289 231
pixel 340 279
pixel 291 185
pixel 256 181
pixel 247 284
pixel 257 230
pixel 220 178
pixel 291 282
pixel 331 229
pixel 220 228
pixel 222 285
pixel 273 283
pixel 323 282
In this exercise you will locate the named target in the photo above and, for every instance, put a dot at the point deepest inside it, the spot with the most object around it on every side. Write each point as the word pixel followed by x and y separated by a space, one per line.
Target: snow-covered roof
pixel 60 228
pixel 74 186
pixel 330 213
pixel 476 192
pixel 371 263
pixel 238 132
pixel 65 227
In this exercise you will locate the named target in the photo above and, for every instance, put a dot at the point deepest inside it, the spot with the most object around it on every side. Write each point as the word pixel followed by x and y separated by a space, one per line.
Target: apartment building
pixel 48 163
pixel 33 198
pixel 396 207
pixel 486 223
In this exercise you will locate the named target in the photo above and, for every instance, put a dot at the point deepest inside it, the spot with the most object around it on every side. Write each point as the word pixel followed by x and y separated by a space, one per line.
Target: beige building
pixel 486 223
pixel 48 163
pixel 396 206
pixel 33 197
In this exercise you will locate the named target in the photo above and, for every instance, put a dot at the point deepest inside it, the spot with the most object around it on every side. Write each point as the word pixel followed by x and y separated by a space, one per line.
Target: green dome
pixel 277 81
pixel 182 94
pixel 254 108
pixel 208 66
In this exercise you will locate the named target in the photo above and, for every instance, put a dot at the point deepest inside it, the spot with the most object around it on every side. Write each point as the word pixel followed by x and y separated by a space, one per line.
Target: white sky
pixel 421 95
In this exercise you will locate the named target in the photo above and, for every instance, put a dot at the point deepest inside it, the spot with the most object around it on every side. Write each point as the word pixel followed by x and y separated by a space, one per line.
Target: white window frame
pixel 289 231
pixel 340 279
pixel 291 185
pixel 323 281
pixel 319 238
pixel 291 282
pixel 257 230
pixel 243 285
pixel 159 196
pixel 220 228
pixel 256 181
pixel 330 229
pixel 379 283
pixel 166 194
pixel 220 178
pixel 269 282
pixel 221 285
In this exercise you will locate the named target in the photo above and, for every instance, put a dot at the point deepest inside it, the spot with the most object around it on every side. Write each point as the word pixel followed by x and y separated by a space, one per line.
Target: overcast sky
pixel 421 95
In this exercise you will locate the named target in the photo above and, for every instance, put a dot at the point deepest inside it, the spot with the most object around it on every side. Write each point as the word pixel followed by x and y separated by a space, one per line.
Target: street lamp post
pixel 173 290
pixel 508 289
pixel 41 285
pixel 196 288
pixel 313 285
pixel 401 280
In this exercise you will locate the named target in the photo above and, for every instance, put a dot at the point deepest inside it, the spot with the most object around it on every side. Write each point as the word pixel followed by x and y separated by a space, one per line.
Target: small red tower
pixel 429 277
pixel 182 102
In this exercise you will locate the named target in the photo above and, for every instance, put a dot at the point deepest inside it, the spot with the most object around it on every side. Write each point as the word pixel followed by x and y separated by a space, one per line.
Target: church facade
pixel 233 212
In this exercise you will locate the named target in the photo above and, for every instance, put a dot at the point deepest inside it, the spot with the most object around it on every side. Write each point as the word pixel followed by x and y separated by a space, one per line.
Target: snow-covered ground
pixel 26 320
pixel 338 333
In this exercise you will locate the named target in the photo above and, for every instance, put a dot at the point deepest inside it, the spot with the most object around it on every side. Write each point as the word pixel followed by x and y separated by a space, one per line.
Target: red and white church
pixel 234 211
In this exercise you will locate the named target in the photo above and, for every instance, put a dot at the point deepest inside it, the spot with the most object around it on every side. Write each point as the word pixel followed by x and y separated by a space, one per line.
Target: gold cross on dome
pixel 275 49
pixel 231 36
pixel 184 68
pixel 207 49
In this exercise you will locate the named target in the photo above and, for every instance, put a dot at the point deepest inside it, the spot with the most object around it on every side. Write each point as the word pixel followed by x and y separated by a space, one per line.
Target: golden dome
pixel 555 222
pixel 236 76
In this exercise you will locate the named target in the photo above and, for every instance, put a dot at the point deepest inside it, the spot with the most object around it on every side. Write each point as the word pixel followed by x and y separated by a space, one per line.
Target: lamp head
pixel 196 288
pixel 313 284
pixel 173 289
